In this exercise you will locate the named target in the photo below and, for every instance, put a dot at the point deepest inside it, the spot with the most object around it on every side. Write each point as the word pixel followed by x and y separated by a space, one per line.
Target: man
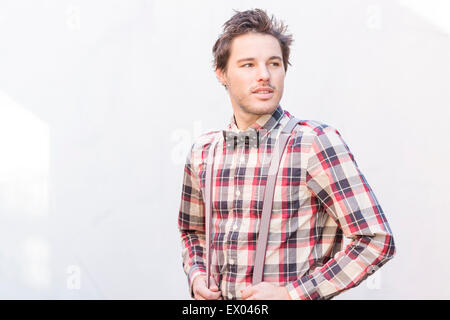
pixel 320 194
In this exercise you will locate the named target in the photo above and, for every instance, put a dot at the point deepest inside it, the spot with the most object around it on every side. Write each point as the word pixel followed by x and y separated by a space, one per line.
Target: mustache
pixel 265 86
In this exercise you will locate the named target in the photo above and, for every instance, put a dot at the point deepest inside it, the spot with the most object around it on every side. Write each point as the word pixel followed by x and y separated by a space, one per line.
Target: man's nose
pixel 263 74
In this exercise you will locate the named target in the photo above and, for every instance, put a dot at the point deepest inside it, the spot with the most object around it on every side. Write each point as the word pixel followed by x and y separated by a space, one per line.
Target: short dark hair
pixel 255 20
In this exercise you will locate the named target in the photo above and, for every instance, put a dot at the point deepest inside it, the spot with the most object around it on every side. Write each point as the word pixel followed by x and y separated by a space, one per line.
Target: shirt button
pixel 242 159
pixel 238 193
pixel 235 227
pixel 372 269
pixel 231 261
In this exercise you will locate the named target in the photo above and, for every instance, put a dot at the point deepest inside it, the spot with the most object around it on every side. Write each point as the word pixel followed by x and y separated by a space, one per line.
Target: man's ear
pixel 221 76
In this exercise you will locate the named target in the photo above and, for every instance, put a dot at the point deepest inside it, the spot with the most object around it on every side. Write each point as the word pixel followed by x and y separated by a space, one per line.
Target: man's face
pixel 255 73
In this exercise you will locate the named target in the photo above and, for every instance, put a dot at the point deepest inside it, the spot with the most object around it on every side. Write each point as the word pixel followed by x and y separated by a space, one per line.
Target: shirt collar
pixel 263 124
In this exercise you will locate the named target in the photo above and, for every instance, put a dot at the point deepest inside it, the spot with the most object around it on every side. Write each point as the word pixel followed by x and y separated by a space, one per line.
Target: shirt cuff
pixel 194 273
pixel 304 289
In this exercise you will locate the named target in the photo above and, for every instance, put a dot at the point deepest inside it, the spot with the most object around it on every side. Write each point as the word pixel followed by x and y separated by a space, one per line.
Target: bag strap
pixel 260 254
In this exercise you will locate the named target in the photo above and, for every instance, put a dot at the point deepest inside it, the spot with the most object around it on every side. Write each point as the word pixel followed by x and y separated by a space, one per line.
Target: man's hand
pixel 201 291
pixel 265 291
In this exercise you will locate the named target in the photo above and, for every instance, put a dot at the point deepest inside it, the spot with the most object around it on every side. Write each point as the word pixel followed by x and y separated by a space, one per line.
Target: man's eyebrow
pixel 251 59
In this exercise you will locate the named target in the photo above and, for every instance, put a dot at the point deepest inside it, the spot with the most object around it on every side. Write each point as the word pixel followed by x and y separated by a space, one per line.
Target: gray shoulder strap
pixel 208 204
pixel 261 245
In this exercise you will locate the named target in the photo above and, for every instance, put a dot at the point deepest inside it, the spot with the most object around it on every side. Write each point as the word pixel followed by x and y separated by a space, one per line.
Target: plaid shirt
pixel 320 196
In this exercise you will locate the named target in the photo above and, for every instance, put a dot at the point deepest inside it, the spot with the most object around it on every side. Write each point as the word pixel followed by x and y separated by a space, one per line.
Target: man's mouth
pixel 263 93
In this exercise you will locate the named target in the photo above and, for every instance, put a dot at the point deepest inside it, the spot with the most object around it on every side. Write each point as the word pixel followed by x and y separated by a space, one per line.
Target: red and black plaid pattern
pixel 320 196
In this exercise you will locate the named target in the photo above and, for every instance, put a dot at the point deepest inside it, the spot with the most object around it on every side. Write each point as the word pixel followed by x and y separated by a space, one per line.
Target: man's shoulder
pixel 202 142
pixel 314 128
pixel 319 134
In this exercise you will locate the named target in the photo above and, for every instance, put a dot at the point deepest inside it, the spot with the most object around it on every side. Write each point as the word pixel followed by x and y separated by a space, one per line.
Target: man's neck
pixel 245 120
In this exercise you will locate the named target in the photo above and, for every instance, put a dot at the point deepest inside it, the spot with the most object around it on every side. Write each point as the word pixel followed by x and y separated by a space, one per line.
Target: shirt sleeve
pixel 191 224
pixel 335 179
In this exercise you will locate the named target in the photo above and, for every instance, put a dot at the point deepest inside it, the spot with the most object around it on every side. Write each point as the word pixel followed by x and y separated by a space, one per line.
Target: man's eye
pixel 275 64
pixel 247 64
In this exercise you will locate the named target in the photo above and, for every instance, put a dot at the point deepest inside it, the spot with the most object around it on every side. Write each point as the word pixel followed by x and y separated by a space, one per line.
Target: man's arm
pixel 334 177
pixel 191 224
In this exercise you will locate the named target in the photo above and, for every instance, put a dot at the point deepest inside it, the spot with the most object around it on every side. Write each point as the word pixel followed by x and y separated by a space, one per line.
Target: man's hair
pixel 255 20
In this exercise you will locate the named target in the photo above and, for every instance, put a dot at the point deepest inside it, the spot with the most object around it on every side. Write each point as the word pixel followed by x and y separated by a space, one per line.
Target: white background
pixel 100 101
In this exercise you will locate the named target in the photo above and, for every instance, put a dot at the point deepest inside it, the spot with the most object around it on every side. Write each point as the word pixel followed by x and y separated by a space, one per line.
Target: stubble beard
pixel 246 107
pixel 258 111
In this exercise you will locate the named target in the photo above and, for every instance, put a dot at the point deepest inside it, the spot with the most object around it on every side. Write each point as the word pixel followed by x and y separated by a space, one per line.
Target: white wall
pixel 100 101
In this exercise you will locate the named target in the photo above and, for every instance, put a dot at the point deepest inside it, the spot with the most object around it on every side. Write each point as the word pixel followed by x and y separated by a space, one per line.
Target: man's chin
pixel 260 107
pixel 263 109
